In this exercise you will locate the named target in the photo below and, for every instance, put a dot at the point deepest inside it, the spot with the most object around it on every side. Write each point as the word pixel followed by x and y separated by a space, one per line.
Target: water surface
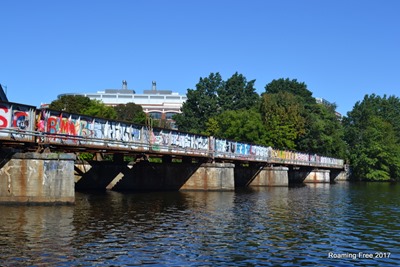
pixel 314 225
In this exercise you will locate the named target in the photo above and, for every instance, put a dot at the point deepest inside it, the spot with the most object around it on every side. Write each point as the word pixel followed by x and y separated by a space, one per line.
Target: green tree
pixel 314 127
pixel 83 105
pixel 282 116
pixel 373 138
pixel 130 112
pixel 291 86
pixel 99 109
pixel 236 93
pixel 214 96
pixel 201 104
pixel 324 132
pixel 239 125
pixel 71 103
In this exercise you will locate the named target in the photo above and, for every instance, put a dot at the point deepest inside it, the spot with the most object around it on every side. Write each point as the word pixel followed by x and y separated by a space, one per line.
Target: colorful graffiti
pixel 163 139
pixel 86 130
pixel 54 127
pixel 19 117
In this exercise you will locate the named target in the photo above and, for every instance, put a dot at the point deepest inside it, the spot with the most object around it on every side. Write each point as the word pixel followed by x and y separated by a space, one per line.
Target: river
pixel 342 224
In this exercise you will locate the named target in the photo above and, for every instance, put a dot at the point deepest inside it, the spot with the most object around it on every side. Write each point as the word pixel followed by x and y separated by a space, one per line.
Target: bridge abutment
pixel 35 178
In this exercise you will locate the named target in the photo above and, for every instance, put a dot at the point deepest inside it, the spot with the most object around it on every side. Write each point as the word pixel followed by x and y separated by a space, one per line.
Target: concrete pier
pixel 36 178
pixel 271 176
pixel 261 175
pixel 309 176
pixel 212 176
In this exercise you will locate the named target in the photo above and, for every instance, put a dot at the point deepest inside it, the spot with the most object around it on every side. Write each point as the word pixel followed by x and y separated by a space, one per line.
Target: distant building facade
pixel 160 104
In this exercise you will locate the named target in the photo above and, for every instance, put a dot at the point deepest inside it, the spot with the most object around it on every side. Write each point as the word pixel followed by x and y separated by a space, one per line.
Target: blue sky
pixel 342 49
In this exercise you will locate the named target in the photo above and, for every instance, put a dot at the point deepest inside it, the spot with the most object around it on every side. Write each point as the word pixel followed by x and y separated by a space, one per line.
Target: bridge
pixel 41 158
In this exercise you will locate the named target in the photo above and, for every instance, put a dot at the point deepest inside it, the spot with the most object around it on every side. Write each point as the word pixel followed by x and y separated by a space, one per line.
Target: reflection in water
pixel 311 225
pixel 32 235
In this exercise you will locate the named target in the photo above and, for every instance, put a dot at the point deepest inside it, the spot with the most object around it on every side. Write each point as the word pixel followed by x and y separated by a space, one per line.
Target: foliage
pixel 212 97
pixel 71 103
pixel 291 86
pixel 83 105
pixel 282 116
pixel 294 120
pixel 99 109
pixel 130 112
pixel 372 132
pixel 201 104
pixel 239 125
pixel 237 93
pixel 324 132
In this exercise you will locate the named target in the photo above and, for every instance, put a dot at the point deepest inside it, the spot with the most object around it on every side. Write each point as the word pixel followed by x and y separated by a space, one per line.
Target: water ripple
pixel 327 225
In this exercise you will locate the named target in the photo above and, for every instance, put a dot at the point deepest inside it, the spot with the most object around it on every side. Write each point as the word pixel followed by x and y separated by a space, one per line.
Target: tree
pixel 314 128
pixel 324 132
pixel 238 125
pixel 201 104
pixel 373 138
pixel 71 103
pixel 236 93
pixel 291 86
pixel 99 109
pixel 130 112
pixel 83 105
pixel 282 116
pixel 214 96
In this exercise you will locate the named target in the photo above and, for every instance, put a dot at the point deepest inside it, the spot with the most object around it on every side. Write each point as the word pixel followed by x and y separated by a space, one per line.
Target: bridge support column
pixel 339 175
pixel 37 178
pixel 212 176
pixel 309 176
pixel 271 176
pixel 318 176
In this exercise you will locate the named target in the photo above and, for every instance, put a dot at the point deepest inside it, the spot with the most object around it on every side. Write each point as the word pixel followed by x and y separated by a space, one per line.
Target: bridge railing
pixel 22 123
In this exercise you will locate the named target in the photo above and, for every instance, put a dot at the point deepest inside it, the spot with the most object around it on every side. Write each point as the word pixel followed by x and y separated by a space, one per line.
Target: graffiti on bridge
pixel 26 123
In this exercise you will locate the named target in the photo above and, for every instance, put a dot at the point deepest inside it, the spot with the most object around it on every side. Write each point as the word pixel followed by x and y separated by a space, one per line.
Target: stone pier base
pixel 212 176
pixel 310 176
pixel 271 176
pixel 37 178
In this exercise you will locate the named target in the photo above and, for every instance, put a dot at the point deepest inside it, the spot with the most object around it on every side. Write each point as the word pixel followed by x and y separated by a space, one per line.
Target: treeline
pixel 285 116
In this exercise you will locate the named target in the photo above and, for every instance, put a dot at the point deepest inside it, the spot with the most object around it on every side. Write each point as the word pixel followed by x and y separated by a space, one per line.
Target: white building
pixel 160 104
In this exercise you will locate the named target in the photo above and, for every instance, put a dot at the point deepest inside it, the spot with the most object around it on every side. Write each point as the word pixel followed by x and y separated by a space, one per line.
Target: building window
pixel 109 96
pixel 173 97
pixel 169 115
pixel 156 97
pixel 155 115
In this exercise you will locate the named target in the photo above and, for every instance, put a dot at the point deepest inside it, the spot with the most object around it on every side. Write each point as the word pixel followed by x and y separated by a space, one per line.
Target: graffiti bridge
pixel 188 161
